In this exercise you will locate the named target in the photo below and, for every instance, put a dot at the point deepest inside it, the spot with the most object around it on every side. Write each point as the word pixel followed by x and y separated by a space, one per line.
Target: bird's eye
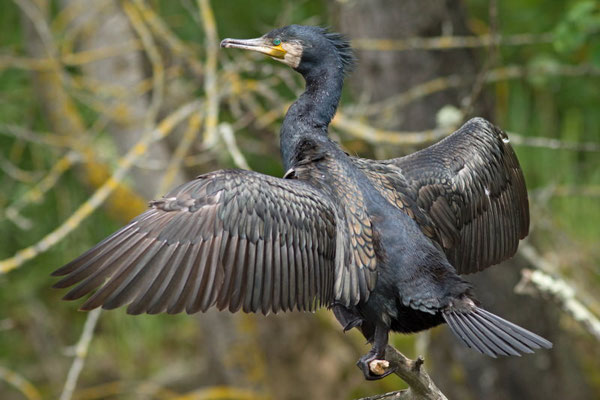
pixel 276 42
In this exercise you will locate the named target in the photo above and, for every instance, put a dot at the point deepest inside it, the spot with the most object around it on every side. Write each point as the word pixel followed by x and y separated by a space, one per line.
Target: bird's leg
pixel 380 341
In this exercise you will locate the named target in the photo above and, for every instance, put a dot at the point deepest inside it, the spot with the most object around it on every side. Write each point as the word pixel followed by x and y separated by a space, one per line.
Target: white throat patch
pixel 293 54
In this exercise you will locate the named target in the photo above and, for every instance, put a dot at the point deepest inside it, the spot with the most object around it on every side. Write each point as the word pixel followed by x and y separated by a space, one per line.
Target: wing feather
pixel 235 239
pixel 476 194
pixel 466 192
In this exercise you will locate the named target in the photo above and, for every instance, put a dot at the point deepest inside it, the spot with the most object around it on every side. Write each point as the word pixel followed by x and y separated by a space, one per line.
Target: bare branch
pixel 380 136
pixel 228 137
pixel 163 33
pixel 491 59
pixel 20 383
pixel 9 169
pixel 42 138
pixel 421 386
pixel 181 151
pixel 544 280
pixel 451 42
pixel 374 135
pixel 537 281
pixel 453 81
pixel 93 55
pixel 158 68
pixel 81 350
pixel 125 164
pixel 552 144
pixel 65 119
pixel 40 24
pixel 36 193
pixel 566 190
pixel 211 119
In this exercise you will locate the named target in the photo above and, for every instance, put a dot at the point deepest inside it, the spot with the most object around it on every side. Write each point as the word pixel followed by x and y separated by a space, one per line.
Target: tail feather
pixel 491 335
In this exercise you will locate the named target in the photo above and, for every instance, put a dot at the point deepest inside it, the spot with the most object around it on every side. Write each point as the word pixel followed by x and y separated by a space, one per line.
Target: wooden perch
pixel 421 386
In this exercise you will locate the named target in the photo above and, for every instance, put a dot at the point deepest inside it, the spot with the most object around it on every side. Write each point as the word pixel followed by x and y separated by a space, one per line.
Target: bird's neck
pixel 308 118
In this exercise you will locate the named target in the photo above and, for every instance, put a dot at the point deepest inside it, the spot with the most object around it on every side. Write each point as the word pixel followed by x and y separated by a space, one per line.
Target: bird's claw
pixel 374 368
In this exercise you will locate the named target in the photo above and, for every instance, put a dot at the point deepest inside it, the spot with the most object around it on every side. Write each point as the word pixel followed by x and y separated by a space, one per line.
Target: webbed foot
pixel 374 367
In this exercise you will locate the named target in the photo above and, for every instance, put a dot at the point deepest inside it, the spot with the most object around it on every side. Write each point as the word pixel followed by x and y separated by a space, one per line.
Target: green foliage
pixel 580 25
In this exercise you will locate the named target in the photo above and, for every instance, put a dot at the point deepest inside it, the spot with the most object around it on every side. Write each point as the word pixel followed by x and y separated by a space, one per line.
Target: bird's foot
pixel 374 366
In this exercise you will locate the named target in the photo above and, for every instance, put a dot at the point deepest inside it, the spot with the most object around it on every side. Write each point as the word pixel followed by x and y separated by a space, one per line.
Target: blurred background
pixel 107 104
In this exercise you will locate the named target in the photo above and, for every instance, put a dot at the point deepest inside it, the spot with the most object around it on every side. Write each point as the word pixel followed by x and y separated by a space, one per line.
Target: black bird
pixel 383 243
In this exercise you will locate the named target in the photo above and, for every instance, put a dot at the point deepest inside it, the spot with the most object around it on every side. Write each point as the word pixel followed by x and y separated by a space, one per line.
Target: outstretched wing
pixel 470 192
pixel 234 239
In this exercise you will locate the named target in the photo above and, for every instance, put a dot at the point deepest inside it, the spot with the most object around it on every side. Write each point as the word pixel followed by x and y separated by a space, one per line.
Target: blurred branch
pixel 163 33
pixel 552 144
pixel 566 190
pixel 180 152
pixel 36 193
pixel 221 393
pixel 194 160
pixel 158 69
pixel 210 74
pixel 545 280
pixel 537 281
pixel 244 87
pixel 467 104
pixel 227 134
pixel 379 136
pixel 124 165
pixel 65 119
pixel 529 252
pixel 451 42
pixel 93 55
pixel 42 138
pixel 81 350
pixel 70 13
pixel 26 63
pixel 20 383
pixel 454 81
pixel 16 173
pixel 421 386
pixel 121 388
pixel 37 17
pixel 69 59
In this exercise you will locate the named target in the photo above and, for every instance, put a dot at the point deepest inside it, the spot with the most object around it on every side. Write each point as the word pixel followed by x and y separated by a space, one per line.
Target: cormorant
pixel 383 243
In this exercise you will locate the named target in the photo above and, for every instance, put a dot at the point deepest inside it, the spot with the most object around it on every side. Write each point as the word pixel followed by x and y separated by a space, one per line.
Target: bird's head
pixel 304 48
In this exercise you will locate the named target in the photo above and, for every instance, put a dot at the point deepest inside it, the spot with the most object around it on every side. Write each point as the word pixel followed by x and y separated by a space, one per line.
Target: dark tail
pixel 489 334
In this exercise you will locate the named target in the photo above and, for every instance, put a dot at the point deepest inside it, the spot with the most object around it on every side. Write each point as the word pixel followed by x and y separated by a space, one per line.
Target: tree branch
pixel 537 281
pixel 21 384
pixel 451 42
pixel 80 354
pixel 211 119
pixel 421 386
pixel 124 165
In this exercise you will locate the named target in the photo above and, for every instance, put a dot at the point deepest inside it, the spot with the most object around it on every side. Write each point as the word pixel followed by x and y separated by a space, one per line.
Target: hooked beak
pixel 261 45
